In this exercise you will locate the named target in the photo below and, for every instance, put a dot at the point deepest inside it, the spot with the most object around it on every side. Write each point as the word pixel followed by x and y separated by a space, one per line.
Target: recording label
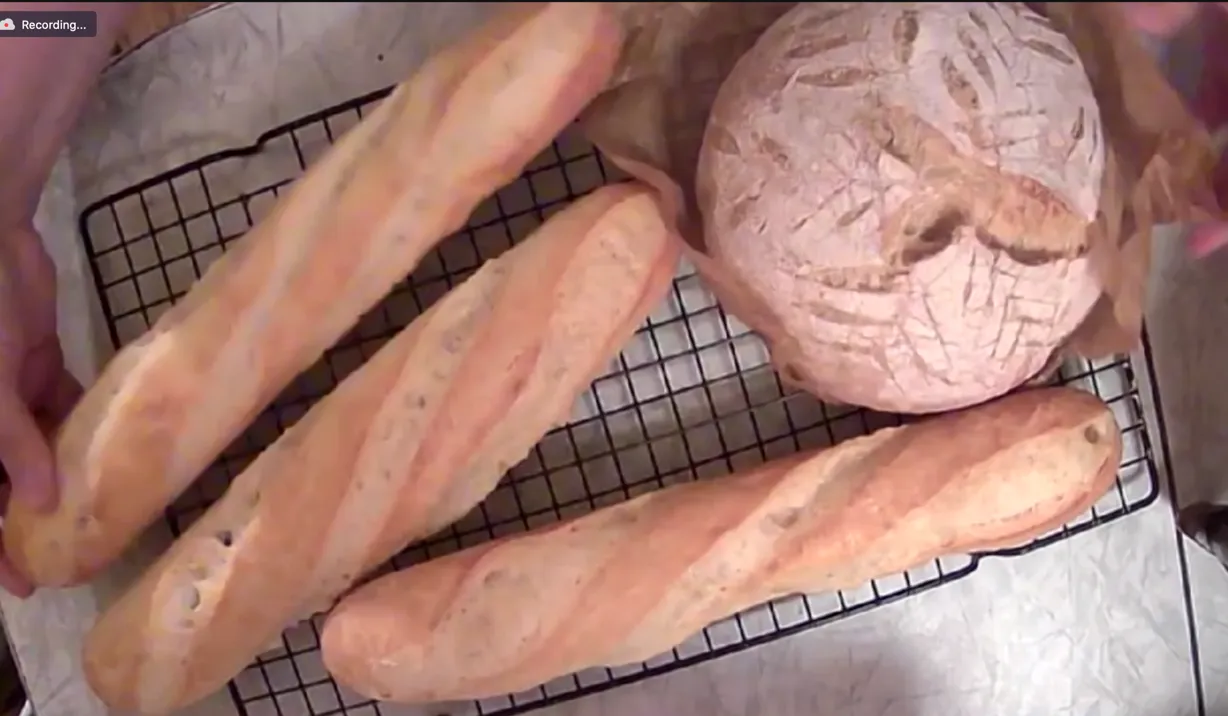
pixel 24 23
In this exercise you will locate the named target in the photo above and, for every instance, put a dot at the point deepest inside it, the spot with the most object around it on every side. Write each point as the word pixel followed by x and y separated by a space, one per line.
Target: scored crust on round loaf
pixel 907 187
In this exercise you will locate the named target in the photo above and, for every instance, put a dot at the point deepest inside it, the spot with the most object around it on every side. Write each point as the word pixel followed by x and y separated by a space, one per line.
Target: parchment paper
pixel 1159 162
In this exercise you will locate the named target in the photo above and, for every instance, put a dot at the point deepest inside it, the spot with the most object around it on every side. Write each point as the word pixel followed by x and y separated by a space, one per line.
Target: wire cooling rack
pixel 691 396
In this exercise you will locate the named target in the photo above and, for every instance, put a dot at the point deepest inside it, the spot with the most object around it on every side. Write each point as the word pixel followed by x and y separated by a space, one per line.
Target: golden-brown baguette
pixel 411 173
pixel 628 582
pixel 406 445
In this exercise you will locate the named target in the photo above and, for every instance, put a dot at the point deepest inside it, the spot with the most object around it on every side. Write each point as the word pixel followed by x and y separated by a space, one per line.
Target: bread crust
pixel 404 446
pixel 409 174
pixel 907 189
pixel 628 582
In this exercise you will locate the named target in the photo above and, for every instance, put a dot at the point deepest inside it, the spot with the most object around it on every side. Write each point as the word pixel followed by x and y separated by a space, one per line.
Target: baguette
pixel 625 583
pixel 406 445
pixel 408 175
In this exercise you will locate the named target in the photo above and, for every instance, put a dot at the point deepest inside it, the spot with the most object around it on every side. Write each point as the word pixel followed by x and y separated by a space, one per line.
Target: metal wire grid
pixel 690 397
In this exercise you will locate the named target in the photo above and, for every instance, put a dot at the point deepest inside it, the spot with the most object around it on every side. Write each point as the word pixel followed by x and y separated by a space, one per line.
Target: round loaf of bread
pixel 907 188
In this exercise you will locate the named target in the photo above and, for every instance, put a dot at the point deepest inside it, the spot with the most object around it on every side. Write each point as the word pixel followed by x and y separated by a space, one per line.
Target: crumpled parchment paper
pixel 1159 162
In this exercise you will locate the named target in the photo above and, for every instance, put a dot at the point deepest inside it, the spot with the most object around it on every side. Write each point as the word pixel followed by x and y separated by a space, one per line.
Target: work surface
pixel 1124 620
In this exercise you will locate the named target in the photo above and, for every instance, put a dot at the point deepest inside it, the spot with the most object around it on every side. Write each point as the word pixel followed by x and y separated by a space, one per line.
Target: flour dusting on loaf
pixel 907 186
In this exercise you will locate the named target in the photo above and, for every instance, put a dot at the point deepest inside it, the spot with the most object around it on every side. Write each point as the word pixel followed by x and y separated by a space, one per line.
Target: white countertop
pixel 1116 621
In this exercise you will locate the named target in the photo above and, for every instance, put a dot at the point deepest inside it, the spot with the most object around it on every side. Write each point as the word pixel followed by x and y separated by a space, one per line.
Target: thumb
pixel 58 401
pixel 25 453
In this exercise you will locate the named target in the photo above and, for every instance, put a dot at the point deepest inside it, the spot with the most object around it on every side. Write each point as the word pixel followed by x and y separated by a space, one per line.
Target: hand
pixel 36 391
pixel 43 89
pixel 1210 103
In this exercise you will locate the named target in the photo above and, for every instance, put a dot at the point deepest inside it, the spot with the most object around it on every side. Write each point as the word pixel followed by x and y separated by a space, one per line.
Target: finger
pixel 58 390
pixel 25 453
pixel 11 580
pixel 1161 19
pixel 60 398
